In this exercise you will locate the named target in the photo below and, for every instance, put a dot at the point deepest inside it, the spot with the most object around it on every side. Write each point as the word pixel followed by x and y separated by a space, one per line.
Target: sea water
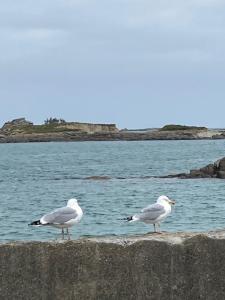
pixel 36 178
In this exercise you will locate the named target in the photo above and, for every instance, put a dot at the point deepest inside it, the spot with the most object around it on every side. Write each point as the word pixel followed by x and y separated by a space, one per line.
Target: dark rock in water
pixel 97 178
pixel 216 170
pixel 221 174
pixel 221 164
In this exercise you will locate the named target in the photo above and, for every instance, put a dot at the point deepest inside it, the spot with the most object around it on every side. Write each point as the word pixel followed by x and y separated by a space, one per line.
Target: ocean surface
pixel 36 178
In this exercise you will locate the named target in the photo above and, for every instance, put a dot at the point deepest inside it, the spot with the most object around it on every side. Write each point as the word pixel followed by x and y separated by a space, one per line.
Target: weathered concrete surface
pixel 160 267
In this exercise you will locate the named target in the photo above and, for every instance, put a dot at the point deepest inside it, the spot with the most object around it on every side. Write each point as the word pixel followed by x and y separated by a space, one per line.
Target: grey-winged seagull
pixel 63 217
pixel 154 213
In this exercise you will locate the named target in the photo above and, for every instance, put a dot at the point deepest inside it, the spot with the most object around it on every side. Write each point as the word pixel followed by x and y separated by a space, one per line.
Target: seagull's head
pixel 164 199
pixel 72 202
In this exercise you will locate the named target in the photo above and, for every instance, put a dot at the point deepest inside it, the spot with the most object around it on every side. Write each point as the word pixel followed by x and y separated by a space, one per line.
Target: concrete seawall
pixel 167 266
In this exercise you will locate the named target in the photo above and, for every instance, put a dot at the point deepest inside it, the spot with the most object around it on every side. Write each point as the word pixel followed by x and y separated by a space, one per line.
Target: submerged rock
pixel 97 178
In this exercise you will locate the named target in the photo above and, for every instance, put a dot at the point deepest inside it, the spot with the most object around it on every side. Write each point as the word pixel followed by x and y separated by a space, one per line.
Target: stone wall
pixel 158 267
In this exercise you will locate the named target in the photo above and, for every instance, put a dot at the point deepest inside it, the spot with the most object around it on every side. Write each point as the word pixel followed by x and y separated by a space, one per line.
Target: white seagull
pixel 63 217
pixel 154 213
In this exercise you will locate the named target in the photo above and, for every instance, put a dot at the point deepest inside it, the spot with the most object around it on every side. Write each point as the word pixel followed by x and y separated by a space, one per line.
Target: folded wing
pixel 151 212
pixel 59 216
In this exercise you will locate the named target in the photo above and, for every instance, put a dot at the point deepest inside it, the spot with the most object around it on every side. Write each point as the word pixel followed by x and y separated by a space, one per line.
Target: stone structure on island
pixel 15 124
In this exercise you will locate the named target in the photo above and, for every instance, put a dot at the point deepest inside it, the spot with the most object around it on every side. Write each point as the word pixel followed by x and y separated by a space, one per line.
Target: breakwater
pixel 167 266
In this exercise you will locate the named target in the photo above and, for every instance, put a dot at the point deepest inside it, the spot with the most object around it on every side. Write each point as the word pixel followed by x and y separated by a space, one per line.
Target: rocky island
pixel 21 130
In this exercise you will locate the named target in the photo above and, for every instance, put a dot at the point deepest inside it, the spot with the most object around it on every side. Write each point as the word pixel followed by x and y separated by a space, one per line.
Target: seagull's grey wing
pixel 151 212
pixel 60 216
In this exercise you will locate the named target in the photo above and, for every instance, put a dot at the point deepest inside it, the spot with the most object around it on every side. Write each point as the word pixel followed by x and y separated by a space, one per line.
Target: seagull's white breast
pixel 167 208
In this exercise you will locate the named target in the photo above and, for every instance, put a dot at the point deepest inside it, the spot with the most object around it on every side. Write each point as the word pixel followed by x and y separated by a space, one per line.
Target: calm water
pixel 36 178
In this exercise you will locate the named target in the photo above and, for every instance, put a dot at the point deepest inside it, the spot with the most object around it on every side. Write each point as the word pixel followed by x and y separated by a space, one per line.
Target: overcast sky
pixel 136 63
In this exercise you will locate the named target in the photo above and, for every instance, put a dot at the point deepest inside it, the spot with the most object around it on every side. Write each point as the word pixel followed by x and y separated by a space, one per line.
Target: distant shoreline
pixel 120 136
pixel 54 130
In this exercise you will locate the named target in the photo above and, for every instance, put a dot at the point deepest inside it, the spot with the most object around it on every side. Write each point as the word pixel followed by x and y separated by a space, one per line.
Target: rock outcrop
pixel 155 267
pixel 215 170
pixel 15 124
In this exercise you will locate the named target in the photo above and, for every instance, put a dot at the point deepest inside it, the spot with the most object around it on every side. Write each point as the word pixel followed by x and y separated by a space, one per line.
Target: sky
pixel 136 63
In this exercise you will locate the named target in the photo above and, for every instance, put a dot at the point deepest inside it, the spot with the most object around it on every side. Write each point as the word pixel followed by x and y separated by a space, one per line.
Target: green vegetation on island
pixel 54 121
pixel 172 127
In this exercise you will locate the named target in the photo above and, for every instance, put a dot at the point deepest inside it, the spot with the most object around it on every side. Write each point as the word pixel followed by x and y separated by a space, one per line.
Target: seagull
pixel 154 213
pixel 63 217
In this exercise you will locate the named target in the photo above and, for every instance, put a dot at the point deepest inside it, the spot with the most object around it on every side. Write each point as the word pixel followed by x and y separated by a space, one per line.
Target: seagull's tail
pixel 36 223
pixel 130 219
